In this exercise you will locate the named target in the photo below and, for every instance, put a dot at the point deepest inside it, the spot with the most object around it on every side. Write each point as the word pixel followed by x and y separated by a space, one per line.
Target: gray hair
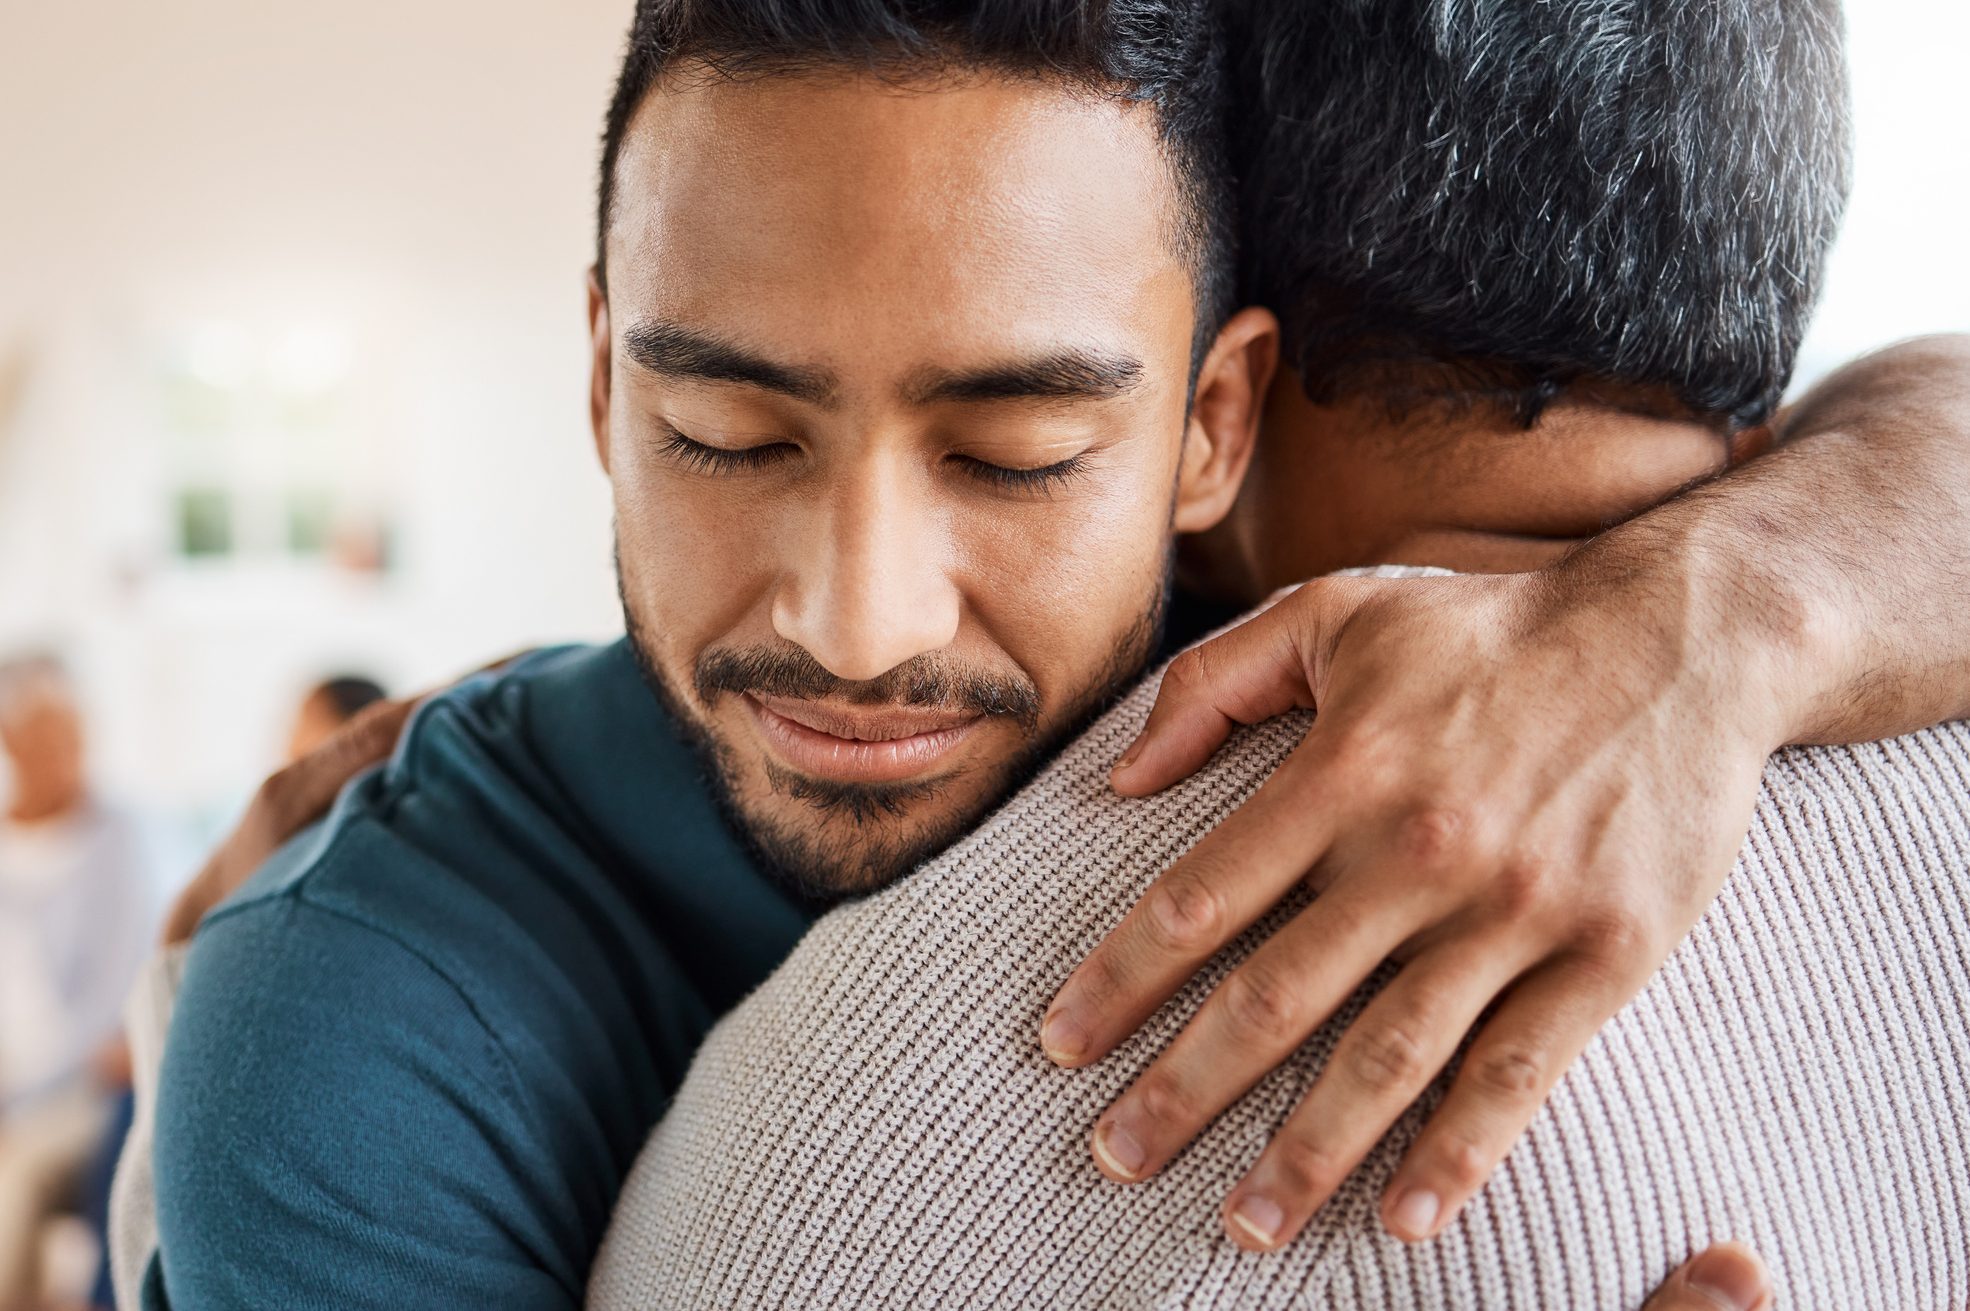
pixel 1527 193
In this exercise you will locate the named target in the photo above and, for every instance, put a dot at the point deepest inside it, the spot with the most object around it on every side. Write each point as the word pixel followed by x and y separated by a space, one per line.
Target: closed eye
pixel 1043 479
pixel 701 458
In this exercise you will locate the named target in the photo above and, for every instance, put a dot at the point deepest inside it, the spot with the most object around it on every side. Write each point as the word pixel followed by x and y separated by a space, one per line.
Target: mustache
pixel 930 680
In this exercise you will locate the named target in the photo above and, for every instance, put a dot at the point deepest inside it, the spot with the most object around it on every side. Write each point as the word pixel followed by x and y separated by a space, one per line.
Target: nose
pixel 866 584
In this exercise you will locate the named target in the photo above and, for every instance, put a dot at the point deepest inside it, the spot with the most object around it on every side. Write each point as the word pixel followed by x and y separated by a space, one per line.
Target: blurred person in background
pixel 327 706
pixel 324 710
pixel 75 919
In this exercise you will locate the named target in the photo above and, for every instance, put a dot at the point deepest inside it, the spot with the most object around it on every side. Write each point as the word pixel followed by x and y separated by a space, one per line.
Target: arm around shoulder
pixel 1876 461
pixel 1834 569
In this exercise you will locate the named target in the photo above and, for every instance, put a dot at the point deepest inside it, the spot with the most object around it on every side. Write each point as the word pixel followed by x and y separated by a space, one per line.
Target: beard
pixel 865 836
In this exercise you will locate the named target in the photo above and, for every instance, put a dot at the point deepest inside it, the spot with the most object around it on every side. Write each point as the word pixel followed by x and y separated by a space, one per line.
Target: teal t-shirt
pixel 414 1058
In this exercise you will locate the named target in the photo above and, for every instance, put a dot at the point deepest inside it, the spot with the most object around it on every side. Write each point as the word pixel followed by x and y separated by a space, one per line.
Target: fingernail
pixel 1128 757
pixel 1260 1218
pixel 1415 1213
pixel 1118 1149
pixel 1733 1277
pixel 1062 1040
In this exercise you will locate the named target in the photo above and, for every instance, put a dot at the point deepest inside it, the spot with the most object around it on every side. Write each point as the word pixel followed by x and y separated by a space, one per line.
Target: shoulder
pixel 372 1093
pixel 320 1074
pixel 420 1048
pixel 471 748
pixel 879 1111
pixel 471 847
pixel 1899 805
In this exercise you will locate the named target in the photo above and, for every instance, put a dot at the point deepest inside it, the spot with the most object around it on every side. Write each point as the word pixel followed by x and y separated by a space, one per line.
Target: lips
pixel 859 744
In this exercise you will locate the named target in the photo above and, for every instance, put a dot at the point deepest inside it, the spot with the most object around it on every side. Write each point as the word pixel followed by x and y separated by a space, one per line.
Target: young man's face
pixel 890 382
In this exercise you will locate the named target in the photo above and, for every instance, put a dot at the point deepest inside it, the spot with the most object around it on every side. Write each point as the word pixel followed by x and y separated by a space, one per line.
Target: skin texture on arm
pixel 1525 788
pixel 1848 546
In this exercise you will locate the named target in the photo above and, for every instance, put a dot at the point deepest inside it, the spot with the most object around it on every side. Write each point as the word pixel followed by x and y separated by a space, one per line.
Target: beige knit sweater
pixel 876 1126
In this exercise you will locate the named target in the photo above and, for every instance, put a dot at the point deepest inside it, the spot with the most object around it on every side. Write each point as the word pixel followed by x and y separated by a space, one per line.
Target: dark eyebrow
pixel 1062 375
pixel 678 352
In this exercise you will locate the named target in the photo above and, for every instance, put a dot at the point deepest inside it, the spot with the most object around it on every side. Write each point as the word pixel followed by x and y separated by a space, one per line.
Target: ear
pixel 1224 418
pixel 598 366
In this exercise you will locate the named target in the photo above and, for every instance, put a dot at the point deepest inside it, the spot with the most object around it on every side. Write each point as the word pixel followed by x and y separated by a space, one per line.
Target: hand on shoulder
pixel 1525 788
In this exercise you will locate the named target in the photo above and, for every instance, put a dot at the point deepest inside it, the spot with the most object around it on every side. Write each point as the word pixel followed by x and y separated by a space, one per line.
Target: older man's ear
pixel 1224 418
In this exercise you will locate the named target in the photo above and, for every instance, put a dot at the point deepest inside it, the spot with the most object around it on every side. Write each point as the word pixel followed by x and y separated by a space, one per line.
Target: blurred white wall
pixel 1902 266
pixel 396 196
pixel 399 192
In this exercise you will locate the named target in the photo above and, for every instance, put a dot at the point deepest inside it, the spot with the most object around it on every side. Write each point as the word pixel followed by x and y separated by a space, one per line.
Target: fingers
pixel 1726 1277
pixel 1244 676
pixel 1545 1021
pixel 1251 1022
pixel 1381 1064
pixel 1227 881
pixel 1251 673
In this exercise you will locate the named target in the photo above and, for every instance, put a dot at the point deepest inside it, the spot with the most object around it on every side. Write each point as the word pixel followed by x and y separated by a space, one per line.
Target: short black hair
pixel 350 694
pixel 1166 53
pixel 1522 195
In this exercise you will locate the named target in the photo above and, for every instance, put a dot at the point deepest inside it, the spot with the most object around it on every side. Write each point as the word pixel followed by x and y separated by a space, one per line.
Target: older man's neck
pixel 1461 486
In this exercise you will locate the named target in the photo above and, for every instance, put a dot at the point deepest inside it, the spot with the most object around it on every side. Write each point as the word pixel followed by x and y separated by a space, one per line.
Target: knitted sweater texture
pixel 876 1125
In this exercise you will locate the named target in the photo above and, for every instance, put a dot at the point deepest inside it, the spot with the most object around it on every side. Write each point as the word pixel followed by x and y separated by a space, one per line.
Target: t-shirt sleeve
pixel 336 1127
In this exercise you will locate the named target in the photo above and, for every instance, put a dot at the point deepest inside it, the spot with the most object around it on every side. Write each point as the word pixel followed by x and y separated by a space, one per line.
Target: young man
pixel 874 1126
pixel 894 381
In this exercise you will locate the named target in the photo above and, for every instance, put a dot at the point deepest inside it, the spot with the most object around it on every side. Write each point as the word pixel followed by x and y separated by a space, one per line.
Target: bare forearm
pixel 1838 566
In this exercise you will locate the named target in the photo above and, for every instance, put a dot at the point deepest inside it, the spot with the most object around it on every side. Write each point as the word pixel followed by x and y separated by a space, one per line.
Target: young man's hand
pixel 1525 788
pixel 291 799
pixel 286 803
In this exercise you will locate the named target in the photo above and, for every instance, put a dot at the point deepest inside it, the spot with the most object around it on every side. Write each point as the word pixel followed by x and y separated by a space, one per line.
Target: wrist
pixel 1707 608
